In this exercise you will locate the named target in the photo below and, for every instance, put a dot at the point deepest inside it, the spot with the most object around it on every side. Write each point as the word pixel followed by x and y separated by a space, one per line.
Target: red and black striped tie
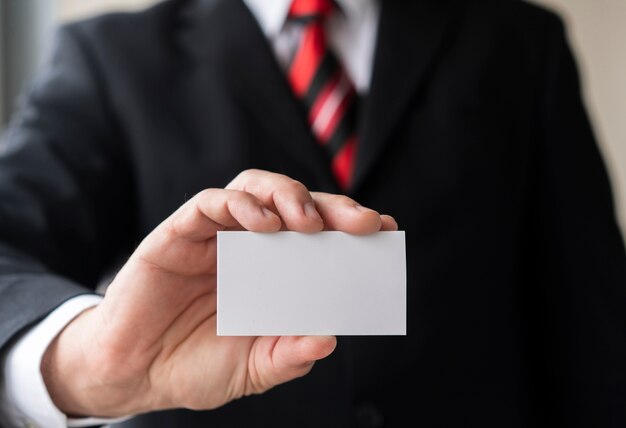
pixel 322 84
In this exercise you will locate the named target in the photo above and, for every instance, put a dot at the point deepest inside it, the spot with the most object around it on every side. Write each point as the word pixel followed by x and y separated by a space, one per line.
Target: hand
pixel 151 344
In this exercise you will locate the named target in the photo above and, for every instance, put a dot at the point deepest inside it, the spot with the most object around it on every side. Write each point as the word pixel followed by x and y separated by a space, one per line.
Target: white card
pixel 327 283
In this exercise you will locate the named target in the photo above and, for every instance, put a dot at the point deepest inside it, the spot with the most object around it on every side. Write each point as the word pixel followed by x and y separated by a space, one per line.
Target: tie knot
pixel 310 10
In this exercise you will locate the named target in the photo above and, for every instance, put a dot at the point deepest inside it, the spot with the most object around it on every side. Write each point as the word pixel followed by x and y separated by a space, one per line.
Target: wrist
pixel 76 376
pixel 64 370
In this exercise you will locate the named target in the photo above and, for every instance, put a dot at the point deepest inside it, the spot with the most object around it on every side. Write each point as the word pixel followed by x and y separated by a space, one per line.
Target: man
pixel 469 131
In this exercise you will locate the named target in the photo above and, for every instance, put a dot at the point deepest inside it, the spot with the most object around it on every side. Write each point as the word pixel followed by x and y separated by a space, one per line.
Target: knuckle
pixel 205 194
pixel 226 196
pixel 294 186
pixel 248 172
pixel 239 196
pixel 237 200
pixel 174 227
pixel 342 200
pixel 243 176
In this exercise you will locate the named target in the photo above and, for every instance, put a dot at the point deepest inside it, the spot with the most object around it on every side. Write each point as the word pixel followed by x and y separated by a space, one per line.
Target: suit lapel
pixel 410 36
pixel 225 35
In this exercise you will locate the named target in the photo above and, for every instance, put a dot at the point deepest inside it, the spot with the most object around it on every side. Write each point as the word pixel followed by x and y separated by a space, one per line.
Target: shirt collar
pixel 272 14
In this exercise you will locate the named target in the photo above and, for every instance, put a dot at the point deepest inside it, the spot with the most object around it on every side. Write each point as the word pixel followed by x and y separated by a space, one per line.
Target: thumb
pixel 278 360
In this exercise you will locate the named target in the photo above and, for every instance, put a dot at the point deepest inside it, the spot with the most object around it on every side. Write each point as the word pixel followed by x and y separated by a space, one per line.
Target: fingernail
pixel 311 212
pixel 267 213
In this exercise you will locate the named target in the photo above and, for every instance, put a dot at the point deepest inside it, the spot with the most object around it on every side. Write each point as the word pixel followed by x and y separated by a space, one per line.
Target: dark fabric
pixel 473 136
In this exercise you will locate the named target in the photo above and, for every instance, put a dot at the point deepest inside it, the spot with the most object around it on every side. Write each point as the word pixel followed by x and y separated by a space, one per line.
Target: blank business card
pixel 327 283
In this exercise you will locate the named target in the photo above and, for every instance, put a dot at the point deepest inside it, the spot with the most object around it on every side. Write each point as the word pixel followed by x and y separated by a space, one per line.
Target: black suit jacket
pixel 473 136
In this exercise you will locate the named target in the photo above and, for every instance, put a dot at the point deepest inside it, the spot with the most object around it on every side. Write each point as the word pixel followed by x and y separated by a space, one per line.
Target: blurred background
pixel 597 30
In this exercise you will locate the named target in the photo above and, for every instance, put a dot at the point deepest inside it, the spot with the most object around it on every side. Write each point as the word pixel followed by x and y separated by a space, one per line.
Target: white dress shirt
pixel 351 34
pixel 24 399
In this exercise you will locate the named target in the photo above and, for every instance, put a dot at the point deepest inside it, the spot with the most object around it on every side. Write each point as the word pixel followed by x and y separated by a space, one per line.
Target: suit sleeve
pixel 64 189
pixel 581 286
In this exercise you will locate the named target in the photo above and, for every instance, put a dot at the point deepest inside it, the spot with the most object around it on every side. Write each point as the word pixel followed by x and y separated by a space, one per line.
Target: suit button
pixel 369 415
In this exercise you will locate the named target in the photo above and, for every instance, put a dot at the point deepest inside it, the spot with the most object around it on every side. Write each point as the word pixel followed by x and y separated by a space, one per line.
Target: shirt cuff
pixel 24 397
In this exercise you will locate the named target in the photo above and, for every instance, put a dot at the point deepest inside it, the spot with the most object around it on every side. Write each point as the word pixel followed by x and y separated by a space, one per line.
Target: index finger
pixel 213 210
